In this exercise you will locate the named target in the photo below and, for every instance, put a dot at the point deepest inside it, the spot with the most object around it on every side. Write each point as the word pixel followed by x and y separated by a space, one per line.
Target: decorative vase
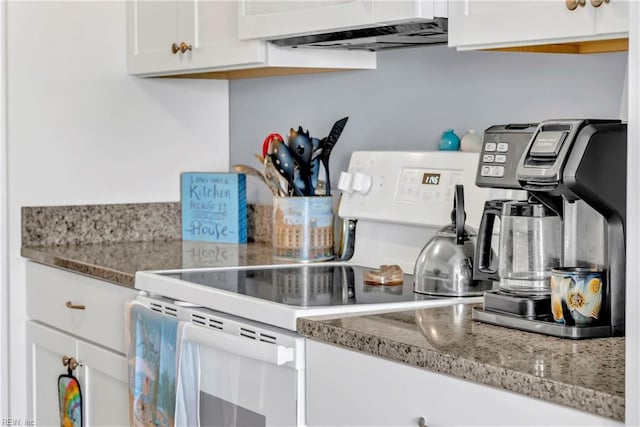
pixel 471 141
pixel 449 141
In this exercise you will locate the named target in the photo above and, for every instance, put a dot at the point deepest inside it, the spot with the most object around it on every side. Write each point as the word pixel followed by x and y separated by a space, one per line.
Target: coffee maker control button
pixel 486 171
pixel 488 158
pixel 501 158
pixel 490 146
pixel 503 147
pixel 498 171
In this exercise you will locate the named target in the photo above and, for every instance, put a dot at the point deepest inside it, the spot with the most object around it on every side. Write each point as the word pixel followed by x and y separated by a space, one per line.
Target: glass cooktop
pixel 303 285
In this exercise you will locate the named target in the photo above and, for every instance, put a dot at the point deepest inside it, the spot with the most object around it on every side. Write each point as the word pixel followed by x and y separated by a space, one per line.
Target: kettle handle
pixel 458 210
pixel 482 261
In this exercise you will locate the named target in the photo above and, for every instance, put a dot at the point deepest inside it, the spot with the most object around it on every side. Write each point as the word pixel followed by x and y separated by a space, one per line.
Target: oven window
pixel 216 412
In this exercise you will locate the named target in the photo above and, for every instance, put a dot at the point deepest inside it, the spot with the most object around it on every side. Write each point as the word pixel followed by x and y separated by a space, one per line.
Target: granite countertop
pixel 587 375
pixel 113 242
pixel 117 262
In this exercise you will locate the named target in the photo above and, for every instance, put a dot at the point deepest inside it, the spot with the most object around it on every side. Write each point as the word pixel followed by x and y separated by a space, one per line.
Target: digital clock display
pixel 431 178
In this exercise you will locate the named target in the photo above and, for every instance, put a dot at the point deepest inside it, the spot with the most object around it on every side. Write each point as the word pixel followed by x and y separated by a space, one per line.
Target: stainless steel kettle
pixel 445 265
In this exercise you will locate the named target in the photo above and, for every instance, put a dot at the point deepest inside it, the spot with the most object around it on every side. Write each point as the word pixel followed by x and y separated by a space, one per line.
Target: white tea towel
pixel 188 383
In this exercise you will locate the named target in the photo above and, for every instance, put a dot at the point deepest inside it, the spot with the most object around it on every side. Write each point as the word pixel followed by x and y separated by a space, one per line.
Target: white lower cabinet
pixel 102 375
pixel 106 391
pixel 76 316
pixel 45 349
pixel 346 388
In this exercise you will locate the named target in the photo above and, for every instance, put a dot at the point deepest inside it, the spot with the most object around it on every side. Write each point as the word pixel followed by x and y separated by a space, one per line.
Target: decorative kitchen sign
pixel 214 207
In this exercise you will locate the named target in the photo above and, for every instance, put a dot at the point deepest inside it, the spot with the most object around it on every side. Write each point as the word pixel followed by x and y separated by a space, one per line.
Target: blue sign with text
pixel 214 207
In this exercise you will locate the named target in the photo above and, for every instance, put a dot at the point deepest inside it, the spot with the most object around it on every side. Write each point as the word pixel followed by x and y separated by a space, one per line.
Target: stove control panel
pixel 414 188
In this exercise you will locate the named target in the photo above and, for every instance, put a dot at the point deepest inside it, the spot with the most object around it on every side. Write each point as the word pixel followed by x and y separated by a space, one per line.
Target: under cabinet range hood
pixel 374 38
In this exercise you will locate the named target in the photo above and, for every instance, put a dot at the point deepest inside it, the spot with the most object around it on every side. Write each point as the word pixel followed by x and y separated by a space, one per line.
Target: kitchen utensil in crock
pixel 284 164
pixel 327 144
pixel 249 170
pixel 268 180
pixel 266 144
pixel 301 150
pixel 272 178
pixel 315 163
pixel 445 265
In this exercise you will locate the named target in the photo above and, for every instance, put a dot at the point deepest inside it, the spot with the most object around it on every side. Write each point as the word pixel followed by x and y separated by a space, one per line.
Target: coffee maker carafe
pixel 574 175
pixel 530 245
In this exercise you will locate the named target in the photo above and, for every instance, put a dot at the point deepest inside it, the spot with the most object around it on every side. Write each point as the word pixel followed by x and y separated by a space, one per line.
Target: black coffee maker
pixel 575 170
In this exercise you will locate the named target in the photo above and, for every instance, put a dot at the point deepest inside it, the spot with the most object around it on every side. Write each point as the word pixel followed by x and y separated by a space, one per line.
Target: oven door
pixel 246 379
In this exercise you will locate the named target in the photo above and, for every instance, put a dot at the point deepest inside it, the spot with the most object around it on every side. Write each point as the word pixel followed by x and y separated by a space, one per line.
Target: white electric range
pixel 244 318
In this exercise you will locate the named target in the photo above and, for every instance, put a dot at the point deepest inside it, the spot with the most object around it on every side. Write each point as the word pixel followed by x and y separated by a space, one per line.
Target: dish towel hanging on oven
pixel 188 384
pixel 154 347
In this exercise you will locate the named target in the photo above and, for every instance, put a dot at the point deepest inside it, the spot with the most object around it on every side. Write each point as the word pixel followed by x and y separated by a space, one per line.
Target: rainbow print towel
pixel 70 400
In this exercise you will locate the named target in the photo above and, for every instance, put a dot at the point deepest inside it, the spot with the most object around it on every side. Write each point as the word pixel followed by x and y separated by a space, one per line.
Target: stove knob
pixel 345 183
pixel 361 183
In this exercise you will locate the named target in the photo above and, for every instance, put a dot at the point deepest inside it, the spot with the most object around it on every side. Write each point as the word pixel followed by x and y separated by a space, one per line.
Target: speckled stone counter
pixel 112 242
pixel 126 222
pixel 117 262
pixel 587 375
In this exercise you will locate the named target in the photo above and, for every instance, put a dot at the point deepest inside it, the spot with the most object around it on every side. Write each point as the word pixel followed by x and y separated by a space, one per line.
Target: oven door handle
pixel 247 347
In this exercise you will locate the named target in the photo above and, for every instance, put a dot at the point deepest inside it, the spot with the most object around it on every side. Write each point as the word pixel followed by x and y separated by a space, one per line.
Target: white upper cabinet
pixel 152 29
pixel 169 37
pixel 268 19
pixel 491 24
pixel 210 28
pixel 612 17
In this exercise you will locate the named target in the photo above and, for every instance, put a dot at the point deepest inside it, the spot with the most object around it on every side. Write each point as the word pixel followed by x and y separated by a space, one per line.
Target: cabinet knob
pixel 422 422
pixel 573 4
pixel 69 304
pixel 184 47
pixel 175 48
pixel 598 3
pixel 71 362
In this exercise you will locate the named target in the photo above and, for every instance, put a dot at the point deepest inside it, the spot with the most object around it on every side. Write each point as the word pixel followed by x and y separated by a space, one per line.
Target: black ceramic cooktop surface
pixel 303 285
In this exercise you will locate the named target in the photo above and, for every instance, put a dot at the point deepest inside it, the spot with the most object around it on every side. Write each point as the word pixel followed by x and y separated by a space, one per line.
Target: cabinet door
pixel 346 388
pixel 613 18
pixel 211 28
pixel 152 29
pixel 105 380
pixel 45 348
pixel 269 18
pixel 481 22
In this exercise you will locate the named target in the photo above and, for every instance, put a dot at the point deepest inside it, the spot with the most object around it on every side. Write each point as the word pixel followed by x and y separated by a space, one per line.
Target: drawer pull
pixel 573 4
pixel 70 362
pixel 69 304
pixel 422 422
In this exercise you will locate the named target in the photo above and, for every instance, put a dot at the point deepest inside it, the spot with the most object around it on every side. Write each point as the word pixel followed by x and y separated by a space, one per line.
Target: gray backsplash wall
pixel 417 93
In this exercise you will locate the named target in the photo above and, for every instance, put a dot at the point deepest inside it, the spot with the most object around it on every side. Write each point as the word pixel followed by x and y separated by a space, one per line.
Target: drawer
pixel 102 319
